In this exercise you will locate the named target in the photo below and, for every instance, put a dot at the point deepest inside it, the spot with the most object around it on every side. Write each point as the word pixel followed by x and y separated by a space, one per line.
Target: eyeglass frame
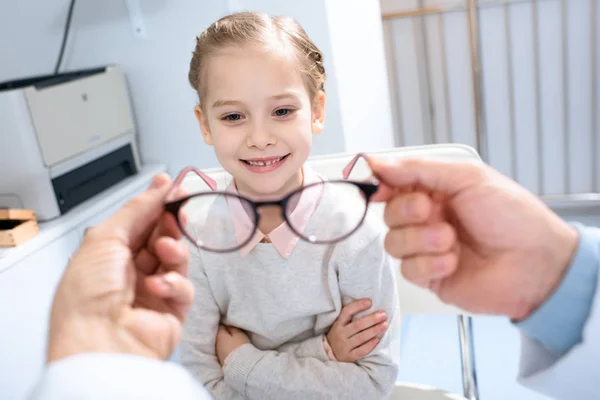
pixel 173 207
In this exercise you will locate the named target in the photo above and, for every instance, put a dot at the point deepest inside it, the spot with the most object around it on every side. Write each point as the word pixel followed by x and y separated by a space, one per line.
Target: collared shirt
pixel 282 238
pixel 558 324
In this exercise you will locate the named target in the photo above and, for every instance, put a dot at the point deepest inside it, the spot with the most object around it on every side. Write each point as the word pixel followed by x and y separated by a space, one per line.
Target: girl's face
pixel 257 114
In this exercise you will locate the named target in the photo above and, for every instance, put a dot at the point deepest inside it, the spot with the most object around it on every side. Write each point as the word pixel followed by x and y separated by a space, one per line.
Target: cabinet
pixel 28 278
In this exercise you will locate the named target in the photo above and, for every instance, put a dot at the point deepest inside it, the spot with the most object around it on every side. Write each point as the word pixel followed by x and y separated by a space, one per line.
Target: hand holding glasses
pixel 205 218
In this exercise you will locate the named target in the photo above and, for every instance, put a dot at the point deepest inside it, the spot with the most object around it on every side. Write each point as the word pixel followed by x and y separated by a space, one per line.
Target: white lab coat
pixel 117 376
pixel 576 375
pixel 97 376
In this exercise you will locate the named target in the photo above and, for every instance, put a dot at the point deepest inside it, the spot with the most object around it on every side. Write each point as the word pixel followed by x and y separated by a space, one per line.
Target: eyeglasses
pixel 221 221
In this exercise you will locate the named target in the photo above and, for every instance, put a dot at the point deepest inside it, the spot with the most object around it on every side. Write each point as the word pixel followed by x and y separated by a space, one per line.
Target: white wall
pixel 539 81
pixel 356 33
pixel 157 66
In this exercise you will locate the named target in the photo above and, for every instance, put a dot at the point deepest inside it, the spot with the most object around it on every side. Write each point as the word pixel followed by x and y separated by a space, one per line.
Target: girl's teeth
pixel 263 164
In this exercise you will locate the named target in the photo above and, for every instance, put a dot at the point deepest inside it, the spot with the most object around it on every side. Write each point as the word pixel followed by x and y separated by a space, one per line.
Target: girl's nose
pixel 260 137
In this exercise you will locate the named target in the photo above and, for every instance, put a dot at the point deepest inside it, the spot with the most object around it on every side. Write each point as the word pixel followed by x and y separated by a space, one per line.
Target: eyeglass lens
pixel 340 210
pixel 209 221
pixel 320 213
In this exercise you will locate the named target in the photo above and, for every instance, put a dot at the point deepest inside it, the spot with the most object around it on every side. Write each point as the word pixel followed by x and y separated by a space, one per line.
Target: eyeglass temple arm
pixel 348 168
pixel 207 179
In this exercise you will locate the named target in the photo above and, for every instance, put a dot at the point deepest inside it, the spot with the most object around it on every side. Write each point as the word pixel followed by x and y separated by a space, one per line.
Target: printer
pixel 64 138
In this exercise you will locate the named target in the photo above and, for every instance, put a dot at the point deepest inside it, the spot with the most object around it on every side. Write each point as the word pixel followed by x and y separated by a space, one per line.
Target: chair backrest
pixel 413 299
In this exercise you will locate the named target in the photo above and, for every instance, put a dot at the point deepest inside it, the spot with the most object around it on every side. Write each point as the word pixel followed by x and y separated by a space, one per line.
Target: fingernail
pixel 170 278
pixel 155 183
pixel 158 182
pixel 383 327
pixel 167 283
pixel 367 303
pixel 381 315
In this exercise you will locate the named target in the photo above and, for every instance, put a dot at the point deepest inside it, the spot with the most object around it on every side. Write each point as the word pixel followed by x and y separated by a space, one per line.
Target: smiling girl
pixel 267 319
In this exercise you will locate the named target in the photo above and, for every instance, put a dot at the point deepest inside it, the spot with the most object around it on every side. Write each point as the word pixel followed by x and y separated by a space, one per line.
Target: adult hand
pixel 125 290
pixel 473 236
pixel 229 339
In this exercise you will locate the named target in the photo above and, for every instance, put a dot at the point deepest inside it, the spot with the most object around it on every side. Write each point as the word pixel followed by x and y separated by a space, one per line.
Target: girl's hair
pixel 250 28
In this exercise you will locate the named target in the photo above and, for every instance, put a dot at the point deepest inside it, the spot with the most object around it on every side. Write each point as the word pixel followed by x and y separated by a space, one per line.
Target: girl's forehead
pixel 243 70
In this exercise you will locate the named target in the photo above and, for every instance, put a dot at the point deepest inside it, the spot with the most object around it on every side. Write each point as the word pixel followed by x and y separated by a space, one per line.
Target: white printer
pixel 64 138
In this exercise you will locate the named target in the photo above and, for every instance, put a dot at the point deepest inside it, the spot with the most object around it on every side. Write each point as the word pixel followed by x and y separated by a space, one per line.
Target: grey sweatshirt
pixel 285 307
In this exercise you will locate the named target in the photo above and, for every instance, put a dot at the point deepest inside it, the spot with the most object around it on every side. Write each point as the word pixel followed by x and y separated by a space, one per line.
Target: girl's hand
pixel 228 340
pixel 352 340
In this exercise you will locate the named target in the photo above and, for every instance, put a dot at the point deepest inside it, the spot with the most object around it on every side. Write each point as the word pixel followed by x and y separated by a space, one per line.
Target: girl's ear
pixel 318 113
pixel 204 128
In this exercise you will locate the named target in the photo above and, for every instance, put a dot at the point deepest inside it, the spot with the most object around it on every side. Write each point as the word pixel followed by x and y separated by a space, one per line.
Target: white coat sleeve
pixel 94 376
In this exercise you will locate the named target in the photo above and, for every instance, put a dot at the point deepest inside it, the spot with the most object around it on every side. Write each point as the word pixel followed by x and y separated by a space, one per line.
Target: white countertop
pixel 53 229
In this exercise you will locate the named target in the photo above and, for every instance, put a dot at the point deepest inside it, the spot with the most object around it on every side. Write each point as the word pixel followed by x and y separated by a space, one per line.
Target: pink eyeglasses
pixel 205 217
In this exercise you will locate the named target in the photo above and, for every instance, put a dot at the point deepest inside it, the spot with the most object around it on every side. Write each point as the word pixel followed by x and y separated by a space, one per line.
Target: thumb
pixel 450 177
pixel 134 222
pixel 156 334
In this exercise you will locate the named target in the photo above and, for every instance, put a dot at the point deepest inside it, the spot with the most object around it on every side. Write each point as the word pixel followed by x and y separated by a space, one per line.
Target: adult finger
pixel 175 289
pixel 431 175
pixel 167 226
pixel 352 309
pixel 408 208
pixel 171 254
pixel 421 270
pixel 361 351
pixel 384 192
pixel 134 222
pixel 159 332
pixel 146 262
pixel 435 238
pixel 146 259
pixel 362 337
pixel 365 322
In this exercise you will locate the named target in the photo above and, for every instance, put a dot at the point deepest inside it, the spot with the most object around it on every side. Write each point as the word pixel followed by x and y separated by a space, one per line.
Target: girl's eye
pixel 233 117
pixel 282 112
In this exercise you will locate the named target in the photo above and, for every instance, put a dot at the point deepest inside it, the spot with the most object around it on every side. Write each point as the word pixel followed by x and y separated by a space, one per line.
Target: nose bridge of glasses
pixel 369 188
pixel 173 207
pixel 270 203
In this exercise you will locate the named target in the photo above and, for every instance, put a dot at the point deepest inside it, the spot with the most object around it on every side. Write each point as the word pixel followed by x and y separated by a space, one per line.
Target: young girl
pixel 265 317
